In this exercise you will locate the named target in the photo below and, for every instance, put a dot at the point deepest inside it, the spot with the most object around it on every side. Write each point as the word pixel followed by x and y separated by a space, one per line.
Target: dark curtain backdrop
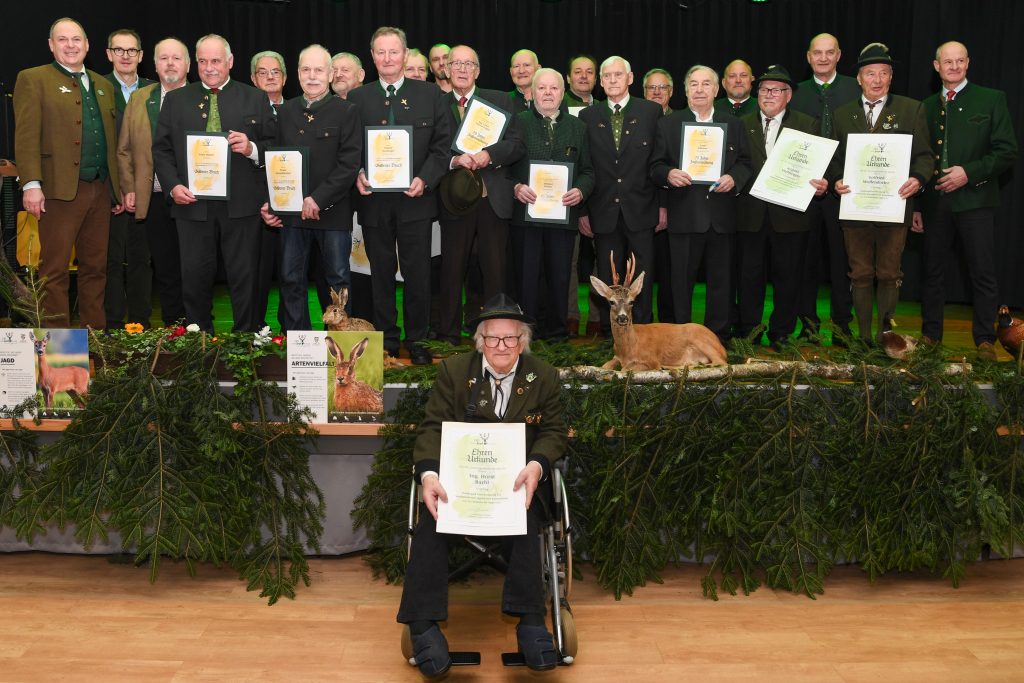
pixel 663 33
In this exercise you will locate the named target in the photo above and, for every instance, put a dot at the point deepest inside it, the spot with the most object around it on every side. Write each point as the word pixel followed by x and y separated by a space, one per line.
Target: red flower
pixel 177 332
pixel 278 339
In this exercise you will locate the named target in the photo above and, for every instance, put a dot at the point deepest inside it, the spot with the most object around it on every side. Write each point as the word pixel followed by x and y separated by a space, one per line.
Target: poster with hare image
pixel 61 370
pixel 337 375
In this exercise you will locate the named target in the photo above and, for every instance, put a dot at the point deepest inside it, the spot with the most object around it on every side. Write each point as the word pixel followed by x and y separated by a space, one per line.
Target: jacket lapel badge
pixel 64 88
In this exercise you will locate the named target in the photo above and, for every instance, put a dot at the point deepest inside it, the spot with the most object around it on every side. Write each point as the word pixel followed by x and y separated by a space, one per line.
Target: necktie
pixel 736 106
pixel 617 125
pixel 767 130
pixel 462 107
pixel 945 128
pixel 500 405
pixel 391 104
pixel 213 122
pixel 549 125
pixel 871 113
pixel 80 77
pixel 950 95
pixel 826 112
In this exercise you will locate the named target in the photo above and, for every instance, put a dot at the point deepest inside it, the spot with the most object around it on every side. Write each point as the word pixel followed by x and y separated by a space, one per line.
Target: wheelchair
pixel 555 538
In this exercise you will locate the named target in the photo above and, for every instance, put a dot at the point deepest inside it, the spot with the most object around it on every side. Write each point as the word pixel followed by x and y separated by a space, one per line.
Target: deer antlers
pixel 630 269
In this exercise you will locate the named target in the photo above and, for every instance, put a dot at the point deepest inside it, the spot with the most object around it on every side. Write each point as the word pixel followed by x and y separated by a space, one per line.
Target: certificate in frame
pixel 482 126
pixel 208 161
pixel 702 151
pixel 389 158
pixel 287 179
pixel 549 180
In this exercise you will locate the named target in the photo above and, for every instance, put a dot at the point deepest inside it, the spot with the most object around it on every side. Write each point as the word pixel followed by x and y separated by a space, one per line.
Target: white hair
pixel 616 58
pixel 525 333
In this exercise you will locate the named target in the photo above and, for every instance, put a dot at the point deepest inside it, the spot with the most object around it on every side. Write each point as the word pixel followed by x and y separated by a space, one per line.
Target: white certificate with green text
pixel 795 160
pixel 479 465
pixel 876 167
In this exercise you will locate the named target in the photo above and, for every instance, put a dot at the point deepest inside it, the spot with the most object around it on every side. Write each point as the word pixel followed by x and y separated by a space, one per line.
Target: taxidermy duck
pixel 898 345
pixel 1009 331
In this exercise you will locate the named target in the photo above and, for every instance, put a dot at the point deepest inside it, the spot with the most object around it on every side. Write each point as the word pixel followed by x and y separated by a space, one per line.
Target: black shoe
pixel 430 653
pixel 419 355
pixel 537 647
pixel 392 351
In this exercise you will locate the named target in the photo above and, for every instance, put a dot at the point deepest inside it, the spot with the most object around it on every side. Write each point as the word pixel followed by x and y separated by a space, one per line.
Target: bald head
pixel 738 79
pixel 823 55
pixel 951 62
pixel 171 60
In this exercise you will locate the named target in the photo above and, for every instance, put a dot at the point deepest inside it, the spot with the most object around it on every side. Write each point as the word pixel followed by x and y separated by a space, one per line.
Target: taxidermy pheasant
pixel 1009 331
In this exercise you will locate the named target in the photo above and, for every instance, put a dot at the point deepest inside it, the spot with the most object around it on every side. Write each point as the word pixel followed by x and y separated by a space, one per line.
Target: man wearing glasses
pixel 762 226
pixel 658 89
pixel 486 222
pixel 129 275
pixel 267 71
pixel 498 382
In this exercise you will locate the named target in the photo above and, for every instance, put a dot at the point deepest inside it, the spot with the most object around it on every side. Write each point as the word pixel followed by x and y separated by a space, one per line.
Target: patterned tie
pixel 950 95
pixel 391 104
pixel 549 125
pixel 213 123
pixel 617 125
pixel 871 113
pixel 767 129
pixel 462 107
pixel 826 111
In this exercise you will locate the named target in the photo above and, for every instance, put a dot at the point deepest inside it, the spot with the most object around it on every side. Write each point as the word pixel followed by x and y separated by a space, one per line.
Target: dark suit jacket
pixel 978 134
pixel 119 99
pixel 724 106
pixel 570 100
pixel 535 400
pixel 48 129
pixel 570 146
pixel 621 176
pixel 750 211
pixel 517 101
pixel 331 132
pixel 423 106
pixel 899 116
pixel 693 208
pixel 242 108
pixel 497 177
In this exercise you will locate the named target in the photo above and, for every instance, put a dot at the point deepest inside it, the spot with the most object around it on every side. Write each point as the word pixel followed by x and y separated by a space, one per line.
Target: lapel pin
pixel 65 89
pixel 530 377
pixel 405 102
pixel 309 117
pixel 519 391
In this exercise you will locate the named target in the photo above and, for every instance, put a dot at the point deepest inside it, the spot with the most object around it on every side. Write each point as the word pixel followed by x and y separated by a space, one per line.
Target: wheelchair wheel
pixel 407 643
pixel 569 642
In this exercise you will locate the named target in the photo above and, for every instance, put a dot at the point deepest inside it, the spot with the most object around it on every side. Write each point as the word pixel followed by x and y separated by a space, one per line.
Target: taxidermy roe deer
pixel 656 345
pixel 72 379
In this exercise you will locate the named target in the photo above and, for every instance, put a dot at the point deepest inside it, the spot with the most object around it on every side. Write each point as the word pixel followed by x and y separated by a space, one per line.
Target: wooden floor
pixel 81 618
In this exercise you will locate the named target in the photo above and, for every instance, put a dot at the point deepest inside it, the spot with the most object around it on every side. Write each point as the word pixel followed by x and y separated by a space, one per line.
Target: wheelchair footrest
pixel 465 658
pixel 516 659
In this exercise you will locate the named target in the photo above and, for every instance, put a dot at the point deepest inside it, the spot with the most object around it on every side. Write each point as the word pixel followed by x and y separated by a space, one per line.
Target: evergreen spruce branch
pixel 19 452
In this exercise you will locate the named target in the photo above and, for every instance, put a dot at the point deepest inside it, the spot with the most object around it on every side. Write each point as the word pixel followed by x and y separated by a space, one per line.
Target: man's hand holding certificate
pixel 876 184
pixel 796 161
pixel 481 468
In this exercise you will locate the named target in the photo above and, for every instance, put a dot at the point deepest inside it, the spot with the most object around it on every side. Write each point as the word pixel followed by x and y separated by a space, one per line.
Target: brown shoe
pixel 928 341
pixel 986 351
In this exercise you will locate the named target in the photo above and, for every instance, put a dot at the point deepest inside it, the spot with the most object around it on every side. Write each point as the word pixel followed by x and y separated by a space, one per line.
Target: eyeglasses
pixel 657 88
pixel 263 73
pixel 772 91
pixel 510 342
pixel 459 64
pixel 122 51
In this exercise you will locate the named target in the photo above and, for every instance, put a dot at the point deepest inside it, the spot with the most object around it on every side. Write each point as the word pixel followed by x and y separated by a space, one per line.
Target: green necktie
pixel 549 124
pixel 617 126
pixel 826 113
pixel 213 123
pixel 391 105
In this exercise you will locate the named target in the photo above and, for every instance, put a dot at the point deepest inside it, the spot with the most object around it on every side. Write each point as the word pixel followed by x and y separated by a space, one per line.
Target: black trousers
pixel 413 242
pixel 238 239
pixel 825 228
pixel 688 250
pixel 623 242
pixel 268 261
pixel 663 276
pixel 976 231
pixel 129 276
pixel 490 233
pixel 785 251
pixel 165 255
pixel 425 593
pixel 543 264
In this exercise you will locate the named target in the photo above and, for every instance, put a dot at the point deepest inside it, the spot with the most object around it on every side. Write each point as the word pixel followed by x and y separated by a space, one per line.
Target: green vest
pixel 94 140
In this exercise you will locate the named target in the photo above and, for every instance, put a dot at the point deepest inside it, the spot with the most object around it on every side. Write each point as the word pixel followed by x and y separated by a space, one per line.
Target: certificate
pixel 389 158
pixel 287 178
pixel 479 465
pixel 482 126
pixel 876 166
pixel 796 159
pixel 209 170
pixel 549 180
pixel 702 150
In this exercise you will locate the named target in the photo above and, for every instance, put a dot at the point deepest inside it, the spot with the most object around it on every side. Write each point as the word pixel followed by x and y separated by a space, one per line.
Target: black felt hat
pixel 874 53
pixel 776 72
pixel 500 307
pixel 461 189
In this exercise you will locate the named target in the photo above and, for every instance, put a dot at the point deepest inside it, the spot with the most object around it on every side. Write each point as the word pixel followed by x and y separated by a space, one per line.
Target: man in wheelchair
pixel 499 382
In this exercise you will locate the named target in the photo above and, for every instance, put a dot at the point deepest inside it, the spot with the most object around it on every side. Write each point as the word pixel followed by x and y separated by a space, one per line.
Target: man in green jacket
pixel 973 140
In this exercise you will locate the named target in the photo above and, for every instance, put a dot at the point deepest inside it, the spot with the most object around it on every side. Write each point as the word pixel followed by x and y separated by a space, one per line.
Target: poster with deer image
pixel 61 369
pixel 339 376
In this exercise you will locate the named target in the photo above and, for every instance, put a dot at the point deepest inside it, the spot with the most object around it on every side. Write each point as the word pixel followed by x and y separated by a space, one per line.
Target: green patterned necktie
pixel 213 123
pixel 617 126
pixel 549 124
pixel 391 105
pixel 826 113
